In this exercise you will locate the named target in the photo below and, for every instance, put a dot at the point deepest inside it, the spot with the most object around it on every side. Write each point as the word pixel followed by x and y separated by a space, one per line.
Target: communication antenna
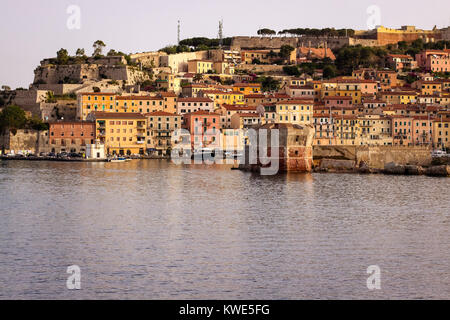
pixel 220 33
pixel 179 32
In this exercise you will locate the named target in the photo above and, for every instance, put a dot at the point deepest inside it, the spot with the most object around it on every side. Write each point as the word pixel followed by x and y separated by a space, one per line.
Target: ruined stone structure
pixel 23 141
pixel 380 36
pixel 295 151
pixel 375 157
pixel 80 73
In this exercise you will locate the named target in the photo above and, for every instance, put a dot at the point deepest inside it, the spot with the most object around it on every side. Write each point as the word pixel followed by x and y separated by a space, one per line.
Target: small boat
pixel 116 160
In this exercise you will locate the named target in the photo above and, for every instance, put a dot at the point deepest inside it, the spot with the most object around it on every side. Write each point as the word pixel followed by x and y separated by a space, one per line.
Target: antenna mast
pixel 179 32
pixel 220 33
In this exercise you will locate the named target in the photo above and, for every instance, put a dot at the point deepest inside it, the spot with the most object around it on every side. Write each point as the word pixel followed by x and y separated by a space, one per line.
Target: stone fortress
pixel 380 36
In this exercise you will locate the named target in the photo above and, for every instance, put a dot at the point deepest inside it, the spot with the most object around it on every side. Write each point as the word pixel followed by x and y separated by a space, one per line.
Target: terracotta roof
pixel 297 101
pixel 137 98
pixel 117 115
pixel 337 98
pixel 246 85
pixel 248 115
pixel 161 113
pixel 237 107
pixel 202 113
pixel 194 99
pixel 97 94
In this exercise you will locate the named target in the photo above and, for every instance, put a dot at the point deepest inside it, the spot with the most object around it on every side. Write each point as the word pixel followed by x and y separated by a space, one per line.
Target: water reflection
pixel 151 229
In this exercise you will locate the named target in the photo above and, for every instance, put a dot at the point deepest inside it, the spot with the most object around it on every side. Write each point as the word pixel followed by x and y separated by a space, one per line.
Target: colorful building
pixel 122 133
pixel 161 127
pixel 70 136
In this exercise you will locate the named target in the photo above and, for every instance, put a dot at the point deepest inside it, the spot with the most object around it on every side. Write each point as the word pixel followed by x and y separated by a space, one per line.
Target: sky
pixel 34 30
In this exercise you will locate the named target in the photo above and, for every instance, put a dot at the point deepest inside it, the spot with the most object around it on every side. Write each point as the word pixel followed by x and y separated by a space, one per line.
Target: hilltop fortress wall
pixel 278 42
pixel 377 37
pixel 78 73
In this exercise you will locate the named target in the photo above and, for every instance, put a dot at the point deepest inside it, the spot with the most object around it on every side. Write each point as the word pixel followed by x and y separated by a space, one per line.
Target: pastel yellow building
pixel 121 133
pixel 346 130
pixel 200 66
pixel 298 111
pixel 441 131
pixel 374 130
pixel 139 104
pixel 247 88
pixel 94 101
pixel 398 97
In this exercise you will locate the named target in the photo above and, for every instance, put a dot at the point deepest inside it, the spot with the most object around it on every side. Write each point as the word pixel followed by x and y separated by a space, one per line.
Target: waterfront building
pixel 374 130
pixel 204 128
pixel 441 130
pixel 161 127
pixel 121 133
pixel 70 136
pixel 298 111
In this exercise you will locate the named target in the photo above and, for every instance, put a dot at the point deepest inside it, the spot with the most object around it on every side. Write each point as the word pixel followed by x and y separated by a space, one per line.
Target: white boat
pixel 438 153
pixel 116 160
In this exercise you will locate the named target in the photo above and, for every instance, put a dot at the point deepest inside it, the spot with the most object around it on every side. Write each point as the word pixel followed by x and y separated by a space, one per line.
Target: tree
pixel 98 47
pixel 291 70
pixel 112 52
pixel 2 102
pixel 12 117
pixel 269 84
pixel 80 52
pixel 266 32
pixel 62 56
pixel 285 51
pixel 6 88
pixel 329 71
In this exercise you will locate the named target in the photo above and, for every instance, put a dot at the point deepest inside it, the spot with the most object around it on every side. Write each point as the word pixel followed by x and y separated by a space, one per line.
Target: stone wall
pixel 376 157
pixel 266 68
pixel 445 34
pixel 59 89
pixel 148 59
pixel 80 73
pixel 25 141
pixel 179 62
pixel 63 109
pixel 277 42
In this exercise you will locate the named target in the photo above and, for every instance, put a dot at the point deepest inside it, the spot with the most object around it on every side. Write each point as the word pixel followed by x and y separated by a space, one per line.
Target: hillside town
pixel 384 87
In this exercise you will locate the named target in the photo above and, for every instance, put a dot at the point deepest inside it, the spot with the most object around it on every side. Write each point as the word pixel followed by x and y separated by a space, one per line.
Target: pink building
pixel 422 130
pixel 301 91
pixel 401 61
pixel 338 101
pixel 369 87
pixel 434 60
pixel 204 128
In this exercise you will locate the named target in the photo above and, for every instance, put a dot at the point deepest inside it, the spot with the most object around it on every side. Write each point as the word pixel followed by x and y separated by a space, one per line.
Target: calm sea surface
pixel 154 230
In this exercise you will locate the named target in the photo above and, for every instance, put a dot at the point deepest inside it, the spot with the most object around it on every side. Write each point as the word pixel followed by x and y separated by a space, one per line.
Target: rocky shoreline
pixel 392 168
